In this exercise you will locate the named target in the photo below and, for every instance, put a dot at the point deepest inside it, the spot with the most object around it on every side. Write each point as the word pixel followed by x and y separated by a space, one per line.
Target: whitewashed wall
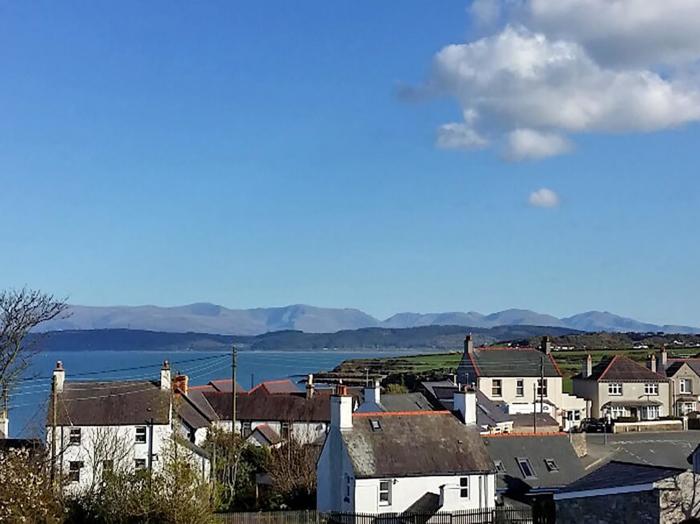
pixel 303 432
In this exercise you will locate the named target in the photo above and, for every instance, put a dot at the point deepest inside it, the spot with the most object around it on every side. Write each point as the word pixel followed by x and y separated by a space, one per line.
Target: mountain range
pixel 215 319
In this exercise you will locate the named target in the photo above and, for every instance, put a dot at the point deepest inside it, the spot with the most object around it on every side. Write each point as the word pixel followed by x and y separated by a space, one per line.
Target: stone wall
pixel 640 508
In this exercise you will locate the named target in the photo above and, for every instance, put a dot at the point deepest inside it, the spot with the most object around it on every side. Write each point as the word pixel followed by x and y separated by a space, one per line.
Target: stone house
pixel 404 462
pixel 626 492
pixel 618 387
pixel 522 380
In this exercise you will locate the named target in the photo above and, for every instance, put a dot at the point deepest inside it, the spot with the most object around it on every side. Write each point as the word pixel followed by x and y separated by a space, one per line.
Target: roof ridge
pixel 607 368
pixel 401 413
pixel 650 466
pixel 527 434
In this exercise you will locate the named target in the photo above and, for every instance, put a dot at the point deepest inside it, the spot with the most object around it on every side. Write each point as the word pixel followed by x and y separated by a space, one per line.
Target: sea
pixel 29 399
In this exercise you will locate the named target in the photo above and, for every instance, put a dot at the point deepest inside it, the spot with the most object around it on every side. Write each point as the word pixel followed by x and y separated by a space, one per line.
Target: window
pixel 497 387
pixel 74 437
pixel 464 487
pixel 520 388
pixel 542 387
pixel 650 412
pixel 140 464
pixel 74 471
pixel 500 468
pixel 247 429
pixel 617 412
pixel 685 386
pixel 385 493
pixel 651 389
pixel 375 425
pixel 526 468
pixel 347 488
pixel 614 388
pixel 552 466
pixel 107 466
pixel 140 435
pixel 284 430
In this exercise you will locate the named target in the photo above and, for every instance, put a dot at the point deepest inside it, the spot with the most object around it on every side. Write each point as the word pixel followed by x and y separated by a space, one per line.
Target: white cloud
pixel 526 144
pixel 485 12
pixel 520 80
pixel 459 136
pixel 544 198
pixel 620 32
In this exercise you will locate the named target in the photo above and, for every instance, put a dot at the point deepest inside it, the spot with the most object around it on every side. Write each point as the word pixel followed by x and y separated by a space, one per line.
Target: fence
pixel 493 516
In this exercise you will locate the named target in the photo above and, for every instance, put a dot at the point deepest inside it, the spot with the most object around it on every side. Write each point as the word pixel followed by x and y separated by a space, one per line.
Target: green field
pixel 569 362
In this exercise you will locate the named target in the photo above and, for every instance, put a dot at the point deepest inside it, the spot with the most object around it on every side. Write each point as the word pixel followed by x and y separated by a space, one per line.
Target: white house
pixel 522 380
pixel 116 424
pixel 404 462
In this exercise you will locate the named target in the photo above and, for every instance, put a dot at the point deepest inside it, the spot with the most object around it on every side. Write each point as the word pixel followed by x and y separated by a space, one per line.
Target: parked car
pixel 592 425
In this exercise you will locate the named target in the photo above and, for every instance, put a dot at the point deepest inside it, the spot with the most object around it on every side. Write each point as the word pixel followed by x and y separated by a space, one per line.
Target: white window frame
pixel 617 412
pixel 138 466
pixel 494 382
pixel 524 462
pixel 651 388
pixel 74 467
pixel 141 430
pixel 74 437
pixel 385 488
pixel 520 388
pixel 615 389
pixel 542 387
pixel 685 386
pixel 648 410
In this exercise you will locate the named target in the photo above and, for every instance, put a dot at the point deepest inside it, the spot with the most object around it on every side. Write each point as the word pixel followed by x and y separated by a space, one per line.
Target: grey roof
pixel 536 448
pixel 488 412
pixel 665 448
pixel 113 403
pixel 675 364
pixel 418 444
pixel 617 474
pixel 525 420
pixel 405 402
pixel 269 434
pixel 505 362
pixel 192 414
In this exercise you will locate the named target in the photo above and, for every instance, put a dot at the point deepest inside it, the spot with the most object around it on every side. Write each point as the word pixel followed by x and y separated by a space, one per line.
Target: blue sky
pixel 257 153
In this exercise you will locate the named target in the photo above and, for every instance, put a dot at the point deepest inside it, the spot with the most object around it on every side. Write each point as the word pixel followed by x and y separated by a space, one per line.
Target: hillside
pixel 430 338
pixel 212 318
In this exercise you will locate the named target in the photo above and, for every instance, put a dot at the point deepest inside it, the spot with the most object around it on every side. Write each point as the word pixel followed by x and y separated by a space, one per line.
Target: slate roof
pixel 223 384
pixel 414 444
pixel 260 406
pixel 617 474
pixel 276 387
pixel 505 362
pixel 192 414
pixel 622 369
pixel 525 420
pixel 675 364
pixel 269 434
pixel 556 446
pixel 399 402
pixel 113 403
pixel 488 412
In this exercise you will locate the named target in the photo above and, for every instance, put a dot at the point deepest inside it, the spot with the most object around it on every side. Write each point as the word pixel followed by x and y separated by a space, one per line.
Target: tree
pixel 292 470
pixel 20 312
pixel 25 488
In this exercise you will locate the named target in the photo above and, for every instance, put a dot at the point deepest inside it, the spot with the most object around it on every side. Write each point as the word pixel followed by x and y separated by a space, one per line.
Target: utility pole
pixel 234 355
pixel 534 408
pixel 54 411
pixel 150 453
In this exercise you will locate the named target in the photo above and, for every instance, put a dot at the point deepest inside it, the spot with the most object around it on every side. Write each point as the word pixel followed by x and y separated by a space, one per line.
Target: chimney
pixel 587 368
pixel 464 401
pixel 469 344
pixel 652 362
pixel 309 387
pixel 372 393
pixel 546 346
pixel 341 409
pixel 180 382
pixel 4 420
pixel 661 362
pixel 454 378
pixel 165 376
pixel 59 375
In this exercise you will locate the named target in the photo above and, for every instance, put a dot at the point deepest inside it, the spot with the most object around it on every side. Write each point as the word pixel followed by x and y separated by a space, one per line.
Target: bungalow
pixel 404 462
pixel 522 380
pixel 628 492
pixel 105 425
pixel 619 387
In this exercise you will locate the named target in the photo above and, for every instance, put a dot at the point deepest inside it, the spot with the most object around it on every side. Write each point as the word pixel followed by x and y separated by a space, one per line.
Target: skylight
pixel 375 424
pixel 551 465
pixel 526 468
